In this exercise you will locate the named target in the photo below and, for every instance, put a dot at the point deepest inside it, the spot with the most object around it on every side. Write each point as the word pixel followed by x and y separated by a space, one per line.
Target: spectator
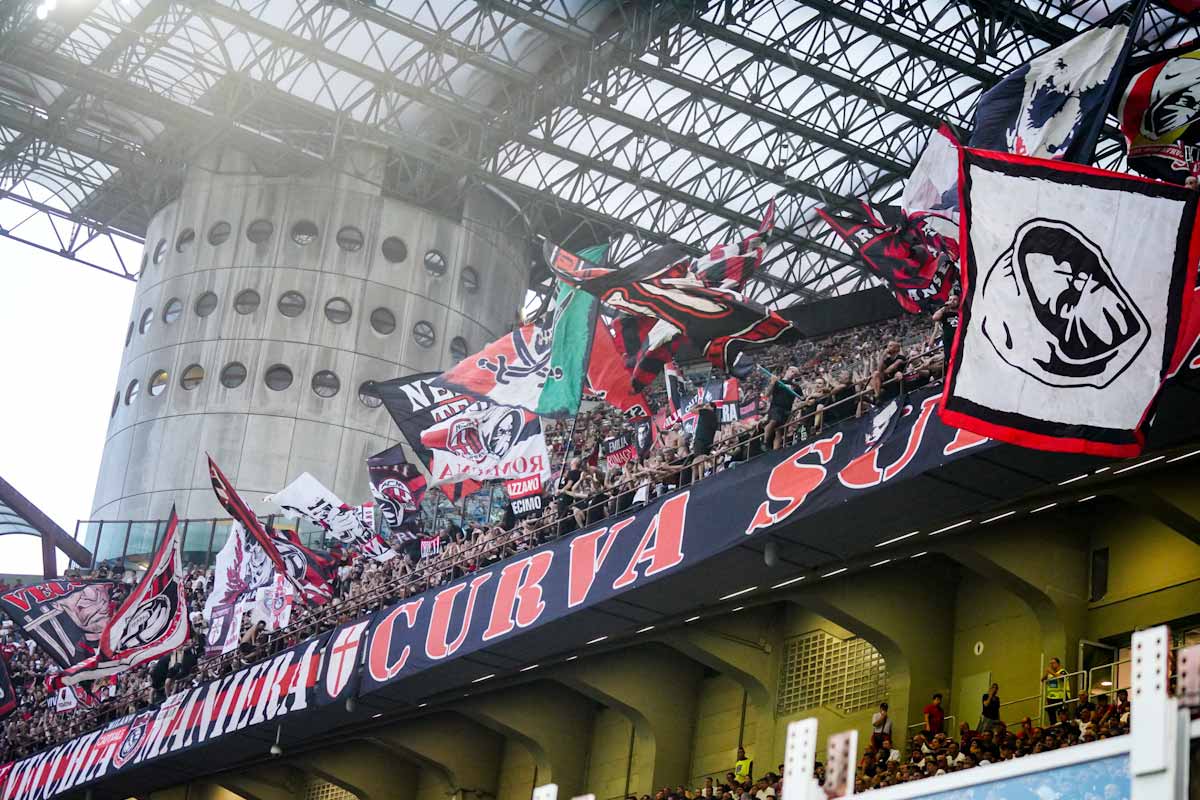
pixel 781 393
pixel 743 767
pixel 989 714
pixel 881 725
pixel 935 716
pixel 1057 683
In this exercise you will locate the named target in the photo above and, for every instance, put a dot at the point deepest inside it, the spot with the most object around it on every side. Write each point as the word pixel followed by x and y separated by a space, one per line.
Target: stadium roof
pixel 656 121
pixel 19 516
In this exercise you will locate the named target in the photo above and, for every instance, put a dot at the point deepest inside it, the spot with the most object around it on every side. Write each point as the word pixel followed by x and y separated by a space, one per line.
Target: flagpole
pixel 570 444
pixel 790 390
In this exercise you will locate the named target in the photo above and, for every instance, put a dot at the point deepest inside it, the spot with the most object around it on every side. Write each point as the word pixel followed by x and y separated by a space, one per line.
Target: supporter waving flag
pixel 1075 282
pixel 721 322
pixel 151 622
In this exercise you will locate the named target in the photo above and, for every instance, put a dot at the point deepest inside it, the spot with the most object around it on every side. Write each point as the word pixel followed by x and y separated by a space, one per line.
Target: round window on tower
pixel 219 233
pixel 147 321
pixel 187 237
pixel 383 321
pixel 338 311
pixel 158 382
pixel 305 232
pixel 131 391
pixel 424 334
pixel 291 303
pixel 435 263
pixel 394 249
pixel 459 348
pixel 172 311
pixel 233 375
pixel 259 231
pixel 325 383
pixel 160 250
pixel 278 377
pixel 192 377
pixel 469 280
pixel 367 396
pixel 246 301
pixel 206 304
pixel 350 239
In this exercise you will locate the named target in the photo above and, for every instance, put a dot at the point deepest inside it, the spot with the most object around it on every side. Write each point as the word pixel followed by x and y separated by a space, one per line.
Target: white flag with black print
pixel 1075 280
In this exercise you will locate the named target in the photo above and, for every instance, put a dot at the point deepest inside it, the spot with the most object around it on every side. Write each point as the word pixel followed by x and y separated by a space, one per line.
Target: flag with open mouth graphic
pixel 1075 284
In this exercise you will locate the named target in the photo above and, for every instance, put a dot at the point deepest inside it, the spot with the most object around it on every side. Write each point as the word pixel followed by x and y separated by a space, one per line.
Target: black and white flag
pixel 1075 281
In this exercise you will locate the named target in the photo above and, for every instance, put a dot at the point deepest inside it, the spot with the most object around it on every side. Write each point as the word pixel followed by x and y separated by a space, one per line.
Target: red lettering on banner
pixel 436 645
pixel 381 642
pixel 791 482
pixel 963 440
pixel 585 562
pixel 666 529
pixel 864 472
pixel 520 585
pixel 565 261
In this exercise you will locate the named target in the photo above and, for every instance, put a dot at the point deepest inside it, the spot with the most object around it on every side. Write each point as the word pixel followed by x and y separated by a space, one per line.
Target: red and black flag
pixel 398 487
pixel 1159 112
pixel 916 262
pixel 645 363
pixel 64 616
pixel 151 622
pixel 228 497
pixel 417 405
pixel 719 321
pixel 8 695
pixel 611 379
pixel 731 265
pixel 312 572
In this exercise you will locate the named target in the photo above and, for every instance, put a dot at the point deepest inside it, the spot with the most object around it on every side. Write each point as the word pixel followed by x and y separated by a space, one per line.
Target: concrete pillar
pixel 264 782
pixel 552 722
pixel 656 690
pixel 1043 562
pixel 897 611
pixel 743 647
pixel 467 755
pixel 366 769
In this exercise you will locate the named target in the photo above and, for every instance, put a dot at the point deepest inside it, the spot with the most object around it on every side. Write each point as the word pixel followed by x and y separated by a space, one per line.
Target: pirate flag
pixel 64 616
pixel 1075 282
pixel 151 622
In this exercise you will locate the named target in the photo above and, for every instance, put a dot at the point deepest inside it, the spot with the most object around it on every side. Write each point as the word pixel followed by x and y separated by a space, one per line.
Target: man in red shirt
pixel 935 717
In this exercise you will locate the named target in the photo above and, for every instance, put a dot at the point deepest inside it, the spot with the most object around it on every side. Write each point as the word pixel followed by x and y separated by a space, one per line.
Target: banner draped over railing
pixel 671 534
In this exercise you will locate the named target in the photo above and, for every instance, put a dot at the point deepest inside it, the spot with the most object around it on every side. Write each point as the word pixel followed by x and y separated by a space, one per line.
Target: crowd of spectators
pixel 846 371
pixel 933 751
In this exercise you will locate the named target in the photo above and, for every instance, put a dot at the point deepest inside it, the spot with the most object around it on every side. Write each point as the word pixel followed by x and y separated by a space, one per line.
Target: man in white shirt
pixel 881 725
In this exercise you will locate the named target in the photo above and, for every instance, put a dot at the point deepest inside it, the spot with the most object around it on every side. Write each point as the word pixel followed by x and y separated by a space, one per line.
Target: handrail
pixel 433 571
pixel 946 724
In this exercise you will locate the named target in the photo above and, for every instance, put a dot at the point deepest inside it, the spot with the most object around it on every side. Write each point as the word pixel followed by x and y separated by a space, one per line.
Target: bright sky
pixel 62 326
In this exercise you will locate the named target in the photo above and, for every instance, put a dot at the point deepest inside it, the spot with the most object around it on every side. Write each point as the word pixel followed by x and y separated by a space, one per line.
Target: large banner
pixel 668 535
pixel 260 693
pixel 64 616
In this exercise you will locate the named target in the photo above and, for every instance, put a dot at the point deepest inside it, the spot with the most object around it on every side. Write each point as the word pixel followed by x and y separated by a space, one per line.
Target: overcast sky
pixel 62 325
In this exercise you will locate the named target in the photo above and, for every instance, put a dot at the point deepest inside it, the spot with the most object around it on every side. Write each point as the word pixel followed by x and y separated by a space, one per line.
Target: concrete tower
pixel 263 305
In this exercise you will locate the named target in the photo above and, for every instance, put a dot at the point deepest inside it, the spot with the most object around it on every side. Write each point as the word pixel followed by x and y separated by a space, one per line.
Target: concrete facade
pixel 219 261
